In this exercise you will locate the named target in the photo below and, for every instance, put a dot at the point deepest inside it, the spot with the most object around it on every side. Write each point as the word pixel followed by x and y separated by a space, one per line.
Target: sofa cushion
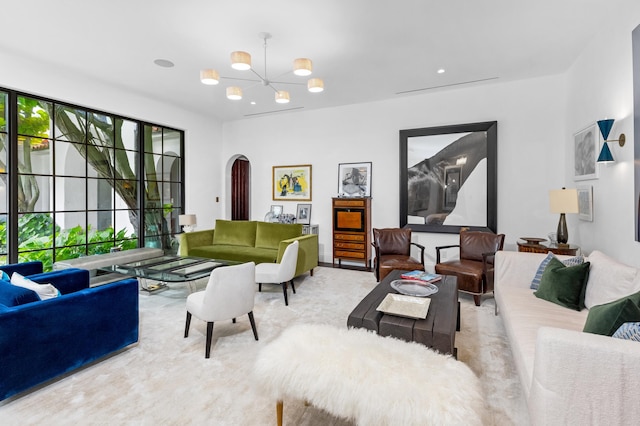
pixel 269 235
pixel 606 319
pixel 572 261
pixel 628 331
pixel 237 253
pixel 235 233
pixel 44 291
pixel 564 285
pixel 13 295
pixel 609 280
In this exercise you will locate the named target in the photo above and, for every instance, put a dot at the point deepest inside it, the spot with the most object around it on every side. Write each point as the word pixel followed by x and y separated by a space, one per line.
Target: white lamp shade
pixel 563 201
pixel 209 76
pixel 187 219
pixel 302 67
pixel 240 60
pixel 234 93
pixel 315 85
pixel 282 97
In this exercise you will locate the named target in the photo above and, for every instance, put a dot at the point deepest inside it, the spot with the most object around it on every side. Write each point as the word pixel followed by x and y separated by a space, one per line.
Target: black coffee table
pixel 437 330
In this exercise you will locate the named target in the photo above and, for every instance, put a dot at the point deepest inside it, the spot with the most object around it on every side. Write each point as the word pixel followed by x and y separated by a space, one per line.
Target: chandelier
pixel 242 61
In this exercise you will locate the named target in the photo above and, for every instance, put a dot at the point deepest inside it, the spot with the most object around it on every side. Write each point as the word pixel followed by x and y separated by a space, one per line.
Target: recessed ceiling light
pixel 441 71
pixel 253 102
pixel 164 63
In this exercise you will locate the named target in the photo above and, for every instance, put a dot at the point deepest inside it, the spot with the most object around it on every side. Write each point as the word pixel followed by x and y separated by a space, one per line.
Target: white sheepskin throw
pixel 369 379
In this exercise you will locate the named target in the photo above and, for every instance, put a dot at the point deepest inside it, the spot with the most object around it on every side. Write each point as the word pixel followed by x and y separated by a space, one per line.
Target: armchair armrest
pixel 442 248
pixel 191 240
pixel 307 252
pixel 66 280
pixel 421 247
pixel 570 379
pixel 24 268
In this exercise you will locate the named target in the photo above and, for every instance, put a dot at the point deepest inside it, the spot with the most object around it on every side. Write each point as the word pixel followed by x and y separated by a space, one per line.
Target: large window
pixel 81 179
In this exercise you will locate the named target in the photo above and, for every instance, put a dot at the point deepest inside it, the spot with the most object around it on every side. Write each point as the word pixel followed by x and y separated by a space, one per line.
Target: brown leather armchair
pixel 393 251
pixel 474 268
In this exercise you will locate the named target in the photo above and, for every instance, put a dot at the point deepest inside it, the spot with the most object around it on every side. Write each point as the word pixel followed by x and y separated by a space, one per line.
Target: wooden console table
pixel 537 247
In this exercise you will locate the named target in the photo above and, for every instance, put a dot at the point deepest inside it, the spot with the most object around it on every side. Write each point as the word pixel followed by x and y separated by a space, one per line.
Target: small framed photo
pixel 585 202
pixel 291 183
pixel 276 210
pixel 354 179
pixel 586 153
pixel 303 214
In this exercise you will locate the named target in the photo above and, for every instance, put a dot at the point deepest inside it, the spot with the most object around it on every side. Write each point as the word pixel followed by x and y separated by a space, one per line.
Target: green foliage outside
pixel 36 240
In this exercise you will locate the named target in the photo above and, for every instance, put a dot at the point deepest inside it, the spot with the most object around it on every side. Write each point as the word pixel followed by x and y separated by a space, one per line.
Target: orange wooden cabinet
pixel 352 230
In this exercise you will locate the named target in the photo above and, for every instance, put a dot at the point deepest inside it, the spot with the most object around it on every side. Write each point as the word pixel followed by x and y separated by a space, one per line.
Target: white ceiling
pixel 364 50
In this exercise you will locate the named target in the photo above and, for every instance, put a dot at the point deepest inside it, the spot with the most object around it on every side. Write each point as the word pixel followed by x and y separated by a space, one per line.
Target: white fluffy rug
pixel 165 379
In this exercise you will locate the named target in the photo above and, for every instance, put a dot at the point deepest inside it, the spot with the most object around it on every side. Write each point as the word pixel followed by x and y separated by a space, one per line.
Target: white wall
pixel 530 117
pixel 600 85
pixel 202 133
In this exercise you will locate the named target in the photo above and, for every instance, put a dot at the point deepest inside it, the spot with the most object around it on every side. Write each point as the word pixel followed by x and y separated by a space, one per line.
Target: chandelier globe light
pixel 209 77
pixel 302 67
pixel 282 97
pixel 315 85
pixel 241 60
pixel 234 93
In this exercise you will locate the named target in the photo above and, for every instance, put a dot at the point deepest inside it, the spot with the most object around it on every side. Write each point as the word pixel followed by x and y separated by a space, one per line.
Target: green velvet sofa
pixel 251 241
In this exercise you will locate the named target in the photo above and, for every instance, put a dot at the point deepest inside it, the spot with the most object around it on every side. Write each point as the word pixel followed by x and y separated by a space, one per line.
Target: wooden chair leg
pixel 259 286
pixel 233 320
pixel 279 412
pixel 311 272
pixel 207 349
pixel 253 325
pixel 284 290
pixel 187 324
pixel 293 287
pixel 477 298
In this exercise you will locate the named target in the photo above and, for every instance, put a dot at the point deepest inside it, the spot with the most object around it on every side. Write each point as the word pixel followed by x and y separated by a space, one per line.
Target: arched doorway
pixel 240 182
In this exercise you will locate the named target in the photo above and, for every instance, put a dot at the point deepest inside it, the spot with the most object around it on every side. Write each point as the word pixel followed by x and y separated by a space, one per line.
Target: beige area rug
pixel 165 379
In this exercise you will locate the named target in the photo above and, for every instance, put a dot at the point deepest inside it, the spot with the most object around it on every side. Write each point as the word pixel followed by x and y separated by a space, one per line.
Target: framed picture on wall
pixel 303 214
pixel 585 202
pixel 354 179
pixel 585 154
pixel 291 183
pixel 448 178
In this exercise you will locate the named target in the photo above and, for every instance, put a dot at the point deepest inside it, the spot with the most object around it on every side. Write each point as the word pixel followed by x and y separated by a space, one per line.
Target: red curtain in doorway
pixel 240 190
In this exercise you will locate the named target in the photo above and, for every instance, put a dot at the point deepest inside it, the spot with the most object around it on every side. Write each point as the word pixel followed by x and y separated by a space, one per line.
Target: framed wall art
pixel 354 179
pixel 585 154
pixel 585 202
pixel 292 183
pixel 448 178
pixel 303 214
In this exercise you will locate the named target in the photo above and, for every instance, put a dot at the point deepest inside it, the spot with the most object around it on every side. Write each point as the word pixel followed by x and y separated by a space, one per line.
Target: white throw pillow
pixel 44 291
pixel 609 280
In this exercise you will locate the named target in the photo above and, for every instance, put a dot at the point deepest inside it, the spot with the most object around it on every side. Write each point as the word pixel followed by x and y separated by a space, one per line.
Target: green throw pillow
pixel 564 285
pixel 606 319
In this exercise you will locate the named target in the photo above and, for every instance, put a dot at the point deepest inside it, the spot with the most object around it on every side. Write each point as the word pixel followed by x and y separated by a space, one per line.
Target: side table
pixel 569 250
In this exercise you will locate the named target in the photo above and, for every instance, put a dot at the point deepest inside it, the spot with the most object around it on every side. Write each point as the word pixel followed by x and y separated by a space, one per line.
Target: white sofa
pixel 569 377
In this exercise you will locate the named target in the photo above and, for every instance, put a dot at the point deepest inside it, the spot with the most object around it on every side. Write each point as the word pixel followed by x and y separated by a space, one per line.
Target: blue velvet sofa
pixel 43 339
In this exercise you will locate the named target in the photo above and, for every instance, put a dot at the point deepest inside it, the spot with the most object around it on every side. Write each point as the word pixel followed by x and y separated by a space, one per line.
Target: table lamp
pixel 187 221
pixel 563 201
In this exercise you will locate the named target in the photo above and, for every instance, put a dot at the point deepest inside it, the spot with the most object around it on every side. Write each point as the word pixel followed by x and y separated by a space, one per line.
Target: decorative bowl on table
pixel 414 288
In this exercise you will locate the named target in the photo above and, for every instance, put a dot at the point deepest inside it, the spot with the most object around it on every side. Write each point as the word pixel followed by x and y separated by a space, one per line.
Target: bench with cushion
pixel 372 380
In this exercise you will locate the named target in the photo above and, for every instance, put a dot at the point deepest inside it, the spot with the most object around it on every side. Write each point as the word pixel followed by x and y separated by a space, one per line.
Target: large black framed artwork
pixel 449 178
